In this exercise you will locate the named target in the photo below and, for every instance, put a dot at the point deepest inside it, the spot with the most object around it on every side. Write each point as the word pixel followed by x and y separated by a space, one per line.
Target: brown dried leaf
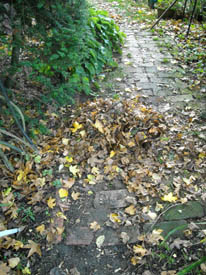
pixel 5 270
pixel 34 248
pixel 131 210
pixel 75 195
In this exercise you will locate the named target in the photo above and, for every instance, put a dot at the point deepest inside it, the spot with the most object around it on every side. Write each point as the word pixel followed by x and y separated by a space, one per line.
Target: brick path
pixel 149 71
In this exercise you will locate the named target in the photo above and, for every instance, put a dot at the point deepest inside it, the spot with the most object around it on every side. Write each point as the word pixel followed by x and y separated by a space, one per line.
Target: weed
pixel 57 183
pixel 116 96
pixel 47 172
pixel 26 213
pixel 165 60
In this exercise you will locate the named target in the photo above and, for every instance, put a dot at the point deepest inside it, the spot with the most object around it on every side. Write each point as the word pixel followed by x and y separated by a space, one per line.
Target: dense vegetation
pixel 57 48
pixel 60 45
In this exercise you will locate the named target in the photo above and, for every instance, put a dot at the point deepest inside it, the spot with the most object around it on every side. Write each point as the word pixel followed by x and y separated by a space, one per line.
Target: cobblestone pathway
pixel 151 72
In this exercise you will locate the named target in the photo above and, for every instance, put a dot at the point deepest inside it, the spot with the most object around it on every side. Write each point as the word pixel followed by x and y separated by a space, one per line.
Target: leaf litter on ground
pixel 156 156
pixel 160 158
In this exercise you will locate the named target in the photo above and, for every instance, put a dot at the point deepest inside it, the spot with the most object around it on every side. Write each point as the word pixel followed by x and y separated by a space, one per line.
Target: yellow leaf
pixel 26 270
pixel 138 249
pixel 112 153
pixel 69 159
pixel 202 155
pixel 40 229
pixel 13 262
pixel 91 179
pixel 63 193
pixel 94 226
pixel 74 170
pixel 18 245
pixel 76 126
pixel 61 215
pixel 114 218
pixel 99 126
pixel 21 175
pixel 135 260
pixel 131 210
pixel 144 109
pixel 169 197
pixel 51 202
pixel 95 170
pixel 75 195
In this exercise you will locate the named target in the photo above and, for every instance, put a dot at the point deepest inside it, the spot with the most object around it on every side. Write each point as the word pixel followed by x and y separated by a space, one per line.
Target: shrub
pixel 64 43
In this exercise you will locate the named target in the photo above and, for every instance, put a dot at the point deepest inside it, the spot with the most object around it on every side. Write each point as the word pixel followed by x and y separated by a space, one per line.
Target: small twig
pixel 152 226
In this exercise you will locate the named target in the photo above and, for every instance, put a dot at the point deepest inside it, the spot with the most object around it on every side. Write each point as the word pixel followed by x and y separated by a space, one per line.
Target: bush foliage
pixel 63 43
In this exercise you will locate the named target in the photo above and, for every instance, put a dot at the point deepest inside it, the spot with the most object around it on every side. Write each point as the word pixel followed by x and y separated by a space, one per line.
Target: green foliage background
pixel 63 43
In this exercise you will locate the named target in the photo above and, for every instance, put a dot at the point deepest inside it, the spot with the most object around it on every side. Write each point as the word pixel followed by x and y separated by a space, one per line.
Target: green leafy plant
pixel 57 183
pixel 26 213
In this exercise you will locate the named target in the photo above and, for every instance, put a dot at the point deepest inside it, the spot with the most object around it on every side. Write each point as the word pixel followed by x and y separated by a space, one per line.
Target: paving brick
pixel 167 227
pixel 113 236
pixel 192 209
pixel 112 198
pixel 180 98
pixel 79 236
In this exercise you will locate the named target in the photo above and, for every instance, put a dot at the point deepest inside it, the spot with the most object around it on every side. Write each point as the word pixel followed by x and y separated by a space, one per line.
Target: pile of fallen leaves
pixel 154 155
